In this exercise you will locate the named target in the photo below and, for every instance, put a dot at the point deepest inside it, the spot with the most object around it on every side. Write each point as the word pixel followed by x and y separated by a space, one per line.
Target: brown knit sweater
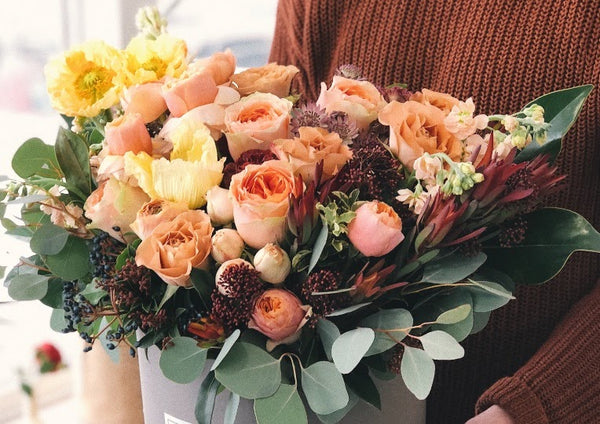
pixel 539 356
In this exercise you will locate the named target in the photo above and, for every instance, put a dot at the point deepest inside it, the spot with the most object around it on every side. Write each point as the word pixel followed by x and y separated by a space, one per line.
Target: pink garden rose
pixel 376 230
pixel 260 202
pixel 127 133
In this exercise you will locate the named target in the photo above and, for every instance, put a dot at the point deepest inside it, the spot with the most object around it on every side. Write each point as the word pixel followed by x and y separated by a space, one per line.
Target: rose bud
pixel 127 133
pixel 272 263
pixel 219 206
pixel 232 262
pixel 153 213
pixel 227 244
pixel 376 230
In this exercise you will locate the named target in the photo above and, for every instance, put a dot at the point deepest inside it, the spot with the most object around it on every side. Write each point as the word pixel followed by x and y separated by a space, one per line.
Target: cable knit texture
pixel 503 54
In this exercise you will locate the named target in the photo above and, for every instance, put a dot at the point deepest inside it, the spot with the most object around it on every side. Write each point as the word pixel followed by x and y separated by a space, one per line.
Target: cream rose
pixel 376 230
pixel 271 78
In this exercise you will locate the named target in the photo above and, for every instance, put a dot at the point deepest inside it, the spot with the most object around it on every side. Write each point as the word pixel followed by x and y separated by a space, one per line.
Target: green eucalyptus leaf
pixel 285 406
pixel 182 361
pixel 480 320
pixel 552 236
pixel 337 416
pixel 561 109
pixel 72 262
pixel 49 239
pixel 387 319
pixel 458 297
pixel 231 409
pixel 361 383
pixel 35 157
pixel 227 345
pixel 28 287
pixel 72 154
pixel 454 315
pixel 452 268
pixel 328 332
pixel 205 402
pixel 488 296
pixel 54 295
pixel 417 370
pixel 57 320
pixel 349 309
pixel 320 243
pixel 170 291
pixel 349 348
pixel 249 371
pixel 441 345
pixel 204 283
pixel 324 388
pixel 93 294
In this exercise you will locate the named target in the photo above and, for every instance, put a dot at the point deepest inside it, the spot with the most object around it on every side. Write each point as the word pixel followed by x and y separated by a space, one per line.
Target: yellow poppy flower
pixel 192 141
pixel 86 79
pixel 151 60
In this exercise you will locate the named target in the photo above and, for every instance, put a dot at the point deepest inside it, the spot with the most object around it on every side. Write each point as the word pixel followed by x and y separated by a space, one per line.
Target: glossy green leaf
pixel 249 371
pixel 417 370
pixel 183 361
pixel 452 268
pixel 49 239
pixel 205 402
pixel 227 345
pixel 285 406
pixel 441 345
pixel 72 262
pixel 72 154
pixel 28 287
pixel 324 388
pixel 561 109
pixel 387 319
pixel 328 332
pixel 34 157
pixel 552 236
pixel 349 348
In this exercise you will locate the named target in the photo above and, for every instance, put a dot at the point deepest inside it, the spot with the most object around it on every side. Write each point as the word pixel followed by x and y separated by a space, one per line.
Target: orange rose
pixel 375 218
pixel 153 213
pixel 220 66
pixel 313 145
pixel 415 129
pixel 145 99
pixel 260 202
pixel 442 101
pixel 279 315
pixel 127 133
pixel 272 78
pixel 361 100
pixel 177 246
pixel 255 121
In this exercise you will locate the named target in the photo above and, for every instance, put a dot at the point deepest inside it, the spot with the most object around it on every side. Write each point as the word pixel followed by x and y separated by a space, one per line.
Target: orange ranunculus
pixel 417 128
pixel 127 133
pixel 375 218
pixel 255 121
pixel 145 99
pixel 260 202
pixel 279 315
pixel 177 246
pixel 271 78
pixel 153 213
pixel 442 101
pixel 313 145
pixel 361 100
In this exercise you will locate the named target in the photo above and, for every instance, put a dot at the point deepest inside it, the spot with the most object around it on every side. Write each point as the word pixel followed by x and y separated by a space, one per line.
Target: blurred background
pixel 31 31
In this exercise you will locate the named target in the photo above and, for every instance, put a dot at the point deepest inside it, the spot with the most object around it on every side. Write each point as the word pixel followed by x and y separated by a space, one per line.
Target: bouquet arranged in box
pixel 301 247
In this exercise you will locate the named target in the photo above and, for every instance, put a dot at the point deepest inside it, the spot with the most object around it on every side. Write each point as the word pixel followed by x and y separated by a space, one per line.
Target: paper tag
pixel 172 420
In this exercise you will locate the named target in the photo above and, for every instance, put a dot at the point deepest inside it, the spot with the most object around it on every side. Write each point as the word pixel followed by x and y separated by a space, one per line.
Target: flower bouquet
pixel 295 250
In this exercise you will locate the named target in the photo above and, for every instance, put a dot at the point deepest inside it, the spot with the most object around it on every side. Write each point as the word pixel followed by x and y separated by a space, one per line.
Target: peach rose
pixel 260 202
pixel 376 230
pixel 313 145
pixel 255 121
pixel 279 315
pixel 145 99
pixel 444 102
pixel 361 100
pixel 127 133
pixel 188 92
pixel 153 213
pixel 177 246
pixel 272 78
pixel 415 129
pixel 220 66
pixel 114 204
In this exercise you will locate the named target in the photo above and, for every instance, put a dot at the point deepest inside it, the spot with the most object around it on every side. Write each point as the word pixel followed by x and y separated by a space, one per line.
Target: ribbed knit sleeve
pixel 559 384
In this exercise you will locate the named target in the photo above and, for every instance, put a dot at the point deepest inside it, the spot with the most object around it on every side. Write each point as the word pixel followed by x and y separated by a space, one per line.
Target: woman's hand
pixel 493 415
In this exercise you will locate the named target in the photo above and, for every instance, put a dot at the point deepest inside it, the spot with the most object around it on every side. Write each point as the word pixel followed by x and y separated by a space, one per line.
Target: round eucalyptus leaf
pixel 227 345
pixel 285 406
pixel 28 287
pixel 441 345
pixel 454 315
pixel 349 348
pixel 387 319
pixel 49 239
pixel 417 370
pixel 183 361
pixel 72 262
pixel 324 388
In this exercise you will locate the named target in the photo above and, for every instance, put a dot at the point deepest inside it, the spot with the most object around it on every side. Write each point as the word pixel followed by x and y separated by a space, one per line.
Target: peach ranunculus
pixel 271 78
pixel 444 102
pixel 379 219
pixel 145 99
pixel 312 146
pixel 177 246
pixel 417 128
pixel 127 133
pixel 279 315
pixel 114 204
pixel 220 66
pixel 361 100
pixel 260 202
pixel 153 213
pixel 189 91
pixel 255 121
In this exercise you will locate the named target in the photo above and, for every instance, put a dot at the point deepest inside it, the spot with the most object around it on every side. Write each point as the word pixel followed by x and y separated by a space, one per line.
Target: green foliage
pixel 337 416
pixel 285 406
pixel 441 345
pixel 49 239
pixel 454 315
pixel 452 268
pixel 34 157
pixel 360 382
pixel 28 287
pixel 339 212
pixel 73 157
pixel 387 319
pixel 328 333
pixel 417 370
pixel 205 402
pixel 350 347
pixel 182 361
pixel 72 262
pixel 227 345
pixel 324 388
